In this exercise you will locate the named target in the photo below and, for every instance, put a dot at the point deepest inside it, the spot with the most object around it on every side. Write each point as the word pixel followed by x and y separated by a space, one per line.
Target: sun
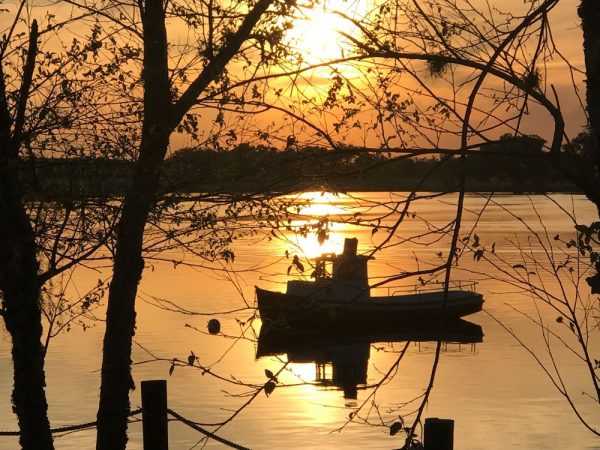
pixel 318 30
pixel 322 205
pixel 311 247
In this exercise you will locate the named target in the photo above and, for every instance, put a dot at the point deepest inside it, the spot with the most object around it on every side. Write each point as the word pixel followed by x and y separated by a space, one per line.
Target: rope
pixel 210 434
pixel 81 426
pixel 189 423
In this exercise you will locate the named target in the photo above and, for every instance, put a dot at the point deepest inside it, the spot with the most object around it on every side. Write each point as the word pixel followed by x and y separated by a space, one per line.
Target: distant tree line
pixel 512 164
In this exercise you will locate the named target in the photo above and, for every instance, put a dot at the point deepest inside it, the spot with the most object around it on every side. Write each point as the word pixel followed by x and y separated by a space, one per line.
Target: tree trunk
pixel 19 283
pixel 116 382
pixel 160 119
pixel 22 316
pixel 589 11
pixel 21 308
pixel 116 376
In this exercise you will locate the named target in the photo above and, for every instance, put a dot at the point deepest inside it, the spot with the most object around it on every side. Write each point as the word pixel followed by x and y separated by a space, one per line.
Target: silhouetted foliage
pixel 512 164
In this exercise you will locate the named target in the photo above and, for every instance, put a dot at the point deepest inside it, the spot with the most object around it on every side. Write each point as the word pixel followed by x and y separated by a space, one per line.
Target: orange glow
pixel 311 247
pixel 317 31
pixel 322 205
pixel 306 371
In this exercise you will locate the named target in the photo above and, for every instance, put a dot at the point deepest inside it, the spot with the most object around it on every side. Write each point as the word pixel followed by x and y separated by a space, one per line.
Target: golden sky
pixel 315 34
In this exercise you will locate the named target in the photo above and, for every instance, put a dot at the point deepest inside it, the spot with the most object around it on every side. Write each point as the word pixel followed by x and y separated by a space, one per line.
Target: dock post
pixel 154 415
pixel 438 434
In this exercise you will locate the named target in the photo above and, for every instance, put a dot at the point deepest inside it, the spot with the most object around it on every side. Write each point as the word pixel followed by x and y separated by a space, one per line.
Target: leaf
pixel 171 369
pixel 478 254
pixel 374 230
pixel 322 236
pixel 395 427
pixel 559 319
pixel 269 387
pixel 296 262
pixel 214 326
pixel 475 240
pixel 269 374
pixel 191 358
pixel 518 266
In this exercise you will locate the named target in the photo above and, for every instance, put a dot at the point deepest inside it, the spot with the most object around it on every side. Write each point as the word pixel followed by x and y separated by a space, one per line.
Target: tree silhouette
pixel 162 115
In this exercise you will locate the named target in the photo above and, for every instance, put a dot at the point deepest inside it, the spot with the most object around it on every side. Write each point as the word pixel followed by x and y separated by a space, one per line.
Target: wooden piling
pixel 438 434
pixel 154 415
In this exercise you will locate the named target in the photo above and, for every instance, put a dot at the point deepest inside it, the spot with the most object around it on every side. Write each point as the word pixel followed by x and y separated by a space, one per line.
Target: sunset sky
pixel 315 35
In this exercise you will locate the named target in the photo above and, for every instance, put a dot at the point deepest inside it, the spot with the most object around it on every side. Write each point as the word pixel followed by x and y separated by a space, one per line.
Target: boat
pixel 341 297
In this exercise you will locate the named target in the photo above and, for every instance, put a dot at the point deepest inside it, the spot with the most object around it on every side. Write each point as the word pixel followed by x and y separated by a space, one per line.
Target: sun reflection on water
pixel 311 247
pixel 304 371
pixel 324 207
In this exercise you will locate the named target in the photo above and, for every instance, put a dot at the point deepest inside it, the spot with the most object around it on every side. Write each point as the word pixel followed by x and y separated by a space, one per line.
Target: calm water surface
pixel 497 395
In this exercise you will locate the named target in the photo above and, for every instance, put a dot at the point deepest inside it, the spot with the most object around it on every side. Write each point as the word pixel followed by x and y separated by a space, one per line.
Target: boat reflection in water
pixel 341 358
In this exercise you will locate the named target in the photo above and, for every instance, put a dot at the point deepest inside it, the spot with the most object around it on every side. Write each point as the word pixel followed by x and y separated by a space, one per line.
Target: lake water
pixel 494 390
